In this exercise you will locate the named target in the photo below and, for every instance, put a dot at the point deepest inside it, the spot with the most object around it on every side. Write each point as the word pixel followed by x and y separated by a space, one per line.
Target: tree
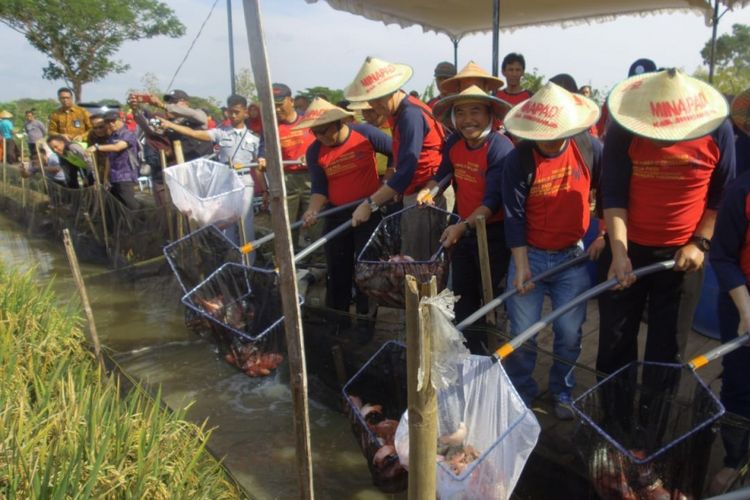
pixel 244 84
pixel 732 60
pixel 532 80
pixel 331 95
pixel 80 37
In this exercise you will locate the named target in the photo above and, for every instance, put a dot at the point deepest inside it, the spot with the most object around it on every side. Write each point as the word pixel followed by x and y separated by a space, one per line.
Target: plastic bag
pixel 207 191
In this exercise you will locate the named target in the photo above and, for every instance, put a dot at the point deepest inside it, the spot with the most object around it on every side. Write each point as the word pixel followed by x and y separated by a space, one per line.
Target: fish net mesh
pixel 379 385
pixel 241 307
pixel 647 432
pixel 404 243
pixel 46 208
pixel 207 191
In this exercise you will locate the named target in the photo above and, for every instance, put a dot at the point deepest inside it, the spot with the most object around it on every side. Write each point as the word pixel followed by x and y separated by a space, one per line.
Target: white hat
pixel 377 78
pixel 442 108
pixel 667 106
pixel 471 70
pixel 321 112
pixel 551 114
pixel 741 111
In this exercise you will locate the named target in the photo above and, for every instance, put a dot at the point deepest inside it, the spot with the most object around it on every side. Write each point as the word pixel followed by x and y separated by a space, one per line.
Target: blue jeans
pixel 525 310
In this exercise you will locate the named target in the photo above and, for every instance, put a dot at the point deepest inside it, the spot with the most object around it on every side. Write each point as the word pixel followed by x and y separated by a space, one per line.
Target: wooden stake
pixel 5 166
pixel 179 156
pixel 23 179
pixel 76 270
pixel 100 199
pixel 41 166
pixel 338 362
pixel 484 269
pixel 283 250
pixel 165 198
pixel 422 403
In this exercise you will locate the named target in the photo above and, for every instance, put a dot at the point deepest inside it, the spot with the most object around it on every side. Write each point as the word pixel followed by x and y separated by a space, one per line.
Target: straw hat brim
pixel 740 111
pixel 633 119
pixel 329 116
pixel 518 126
pixel 388 85
pixel 5 114
pixel 452 85
pixel 442 108
pixel 359 106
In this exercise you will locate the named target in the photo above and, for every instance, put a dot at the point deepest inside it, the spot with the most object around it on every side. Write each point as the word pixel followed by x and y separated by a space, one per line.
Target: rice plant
pixel 66 431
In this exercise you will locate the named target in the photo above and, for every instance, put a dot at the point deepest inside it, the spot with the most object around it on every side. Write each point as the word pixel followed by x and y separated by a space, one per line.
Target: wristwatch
pixel 704 244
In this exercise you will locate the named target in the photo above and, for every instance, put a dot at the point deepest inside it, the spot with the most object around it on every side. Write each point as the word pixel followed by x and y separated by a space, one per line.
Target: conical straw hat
pixel 741 111
pixel 442 108
pixel 5 114
pixel 667 106
pixel 377 78
pixel 552 113
pixel 471 70
pixel 321 112
pixel 359 106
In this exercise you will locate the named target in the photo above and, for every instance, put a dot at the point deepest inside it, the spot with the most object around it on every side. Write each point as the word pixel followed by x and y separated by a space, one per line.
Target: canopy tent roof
pixel 456 19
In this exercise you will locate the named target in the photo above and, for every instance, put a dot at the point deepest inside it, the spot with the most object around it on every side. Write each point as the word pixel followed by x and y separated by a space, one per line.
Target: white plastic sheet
pixel 208 192
pixel 478 403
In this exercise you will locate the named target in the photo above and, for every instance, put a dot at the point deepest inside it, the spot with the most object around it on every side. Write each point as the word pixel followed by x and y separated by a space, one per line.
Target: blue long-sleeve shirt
pixel 730 247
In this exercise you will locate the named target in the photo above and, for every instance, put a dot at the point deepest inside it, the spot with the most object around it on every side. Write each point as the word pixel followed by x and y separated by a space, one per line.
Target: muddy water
pixel 141 323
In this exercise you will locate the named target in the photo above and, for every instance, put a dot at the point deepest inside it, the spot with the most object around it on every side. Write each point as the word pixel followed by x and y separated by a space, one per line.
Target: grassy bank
pixel 65 430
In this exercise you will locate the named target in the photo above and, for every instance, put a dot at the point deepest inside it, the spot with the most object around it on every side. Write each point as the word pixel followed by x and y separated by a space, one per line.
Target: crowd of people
pixel 654 169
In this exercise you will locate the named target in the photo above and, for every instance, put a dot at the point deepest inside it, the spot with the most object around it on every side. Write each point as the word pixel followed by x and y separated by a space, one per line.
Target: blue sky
pixel 312 45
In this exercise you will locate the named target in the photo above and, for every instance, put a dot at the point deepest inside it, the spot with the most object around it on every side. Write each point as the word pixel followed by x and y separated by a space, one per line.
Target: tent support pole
pixel 230 34
pixel 455 51
pixel 283 251
pixel 495 36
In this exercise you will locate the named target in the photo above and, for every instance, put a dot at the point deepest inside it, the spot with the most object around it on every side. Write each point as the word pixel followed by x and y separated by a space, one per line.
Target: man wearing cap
pixel 513 67
pixel 178 110
pixel 443 71
pixel 122 151
pixel 417 143
pixel 238 148
pixel 474 154
pixel 668 155
pixel 294 143
pixel 68 120
pixel 545 188
pixel 342 168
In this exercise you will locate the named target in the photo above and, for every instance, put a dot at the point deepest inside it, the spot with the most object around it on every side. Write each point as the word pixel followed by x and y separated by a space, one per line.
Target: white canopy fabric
pixel 457 18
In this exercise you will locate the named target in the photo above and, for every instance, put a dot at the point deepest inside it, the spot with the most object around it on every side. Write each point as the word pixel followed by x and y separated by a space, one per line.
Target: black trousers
pixel 467 276
pixel 341 253
pixel 125 194
pixel 668 295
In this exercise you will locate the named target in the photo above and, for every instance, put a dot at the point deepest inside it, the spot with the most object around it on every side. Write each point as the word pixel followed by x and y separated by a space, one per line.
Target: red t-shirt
pixel 669 189
pixel 557 206
pixel 350 169
pixel 469 174
pixel 412 115
pixel 294 143
pixel 513 99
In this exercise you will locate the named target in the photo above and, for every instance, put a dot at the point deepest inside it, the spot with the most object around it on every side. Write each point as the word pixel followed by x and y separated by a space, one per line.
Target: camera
pixel 154 122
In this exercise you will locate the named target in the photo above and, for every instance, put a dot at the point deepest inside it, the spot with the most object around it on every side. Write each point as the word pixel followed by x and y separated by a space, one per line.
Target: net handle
pixel 718 352
pixel 506 349
pixel 253 245
pixel 497 301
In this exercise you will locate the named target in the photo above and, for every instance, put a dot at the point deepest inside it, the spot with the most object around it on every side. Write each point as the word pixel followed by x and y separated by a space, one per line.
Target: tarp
pixel 457 18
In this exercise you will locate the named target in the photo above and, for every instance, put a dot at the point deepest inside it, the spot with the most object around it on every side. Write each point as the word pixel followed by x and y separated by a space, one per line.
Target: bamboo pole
pixel 5 166
pixel 179 157
pixel 165 198
pixel 283 250
pixel 100 199
pixel 23 179
pixel 422 403
pixel 486 273
pixel 41 166
pixel 76 270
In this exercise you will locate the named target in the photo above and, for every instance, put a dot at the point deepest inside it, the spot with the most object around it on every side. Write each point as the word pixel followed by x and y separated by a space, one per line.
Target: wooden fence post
pixel 487 286
pixel 422 402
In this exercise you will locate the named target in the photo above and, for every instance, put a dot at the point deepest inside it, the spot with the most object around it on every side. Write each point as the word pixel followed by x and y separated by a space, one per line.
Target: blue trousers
pixel 525 310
